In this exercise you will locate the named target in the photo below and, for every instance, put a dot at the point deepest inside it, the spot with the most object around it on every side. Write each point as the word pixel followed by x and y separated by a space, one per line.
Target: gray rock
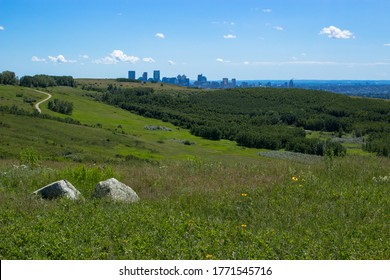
pixel 115 190
pixel 59 189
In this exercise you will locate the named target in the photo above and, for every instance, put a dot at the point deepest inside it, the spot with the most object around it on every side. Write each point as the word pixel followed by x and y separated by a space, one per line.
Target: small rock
pixel 116 190
pixel 59 189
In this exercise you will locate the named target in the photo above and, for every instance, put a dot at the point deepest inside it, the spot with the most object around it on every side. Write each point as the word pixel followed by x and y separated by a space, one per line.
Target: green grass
pixel 126 132
pixel 192 204
pixel 12 95
pixel 191 209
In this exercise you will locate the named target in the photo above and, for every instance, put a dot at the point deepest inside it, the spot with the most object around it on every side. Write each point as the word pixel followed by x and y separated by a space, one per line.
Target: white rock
pixel 59 189
pixel 116 190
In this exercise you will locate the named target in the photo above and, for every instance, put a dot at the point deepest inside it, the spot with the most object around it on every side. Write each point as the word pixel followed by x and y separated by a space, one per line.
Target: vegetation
pixel 200 198
pixel 60 106
pixel 45 81
pixel 261 118
pixel 268 210
pixel 8 78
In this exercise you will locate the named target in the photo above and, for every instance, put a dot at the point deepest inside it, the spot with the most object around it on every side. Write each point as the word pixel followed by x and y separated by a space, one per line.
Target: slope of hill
pixel 103 126
pixel 200 199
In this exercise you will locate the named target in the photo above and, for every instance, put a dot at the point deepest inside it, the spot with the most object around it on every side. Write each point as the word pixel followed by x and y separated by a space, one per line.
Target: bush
pixel 61 106
pixel 30 157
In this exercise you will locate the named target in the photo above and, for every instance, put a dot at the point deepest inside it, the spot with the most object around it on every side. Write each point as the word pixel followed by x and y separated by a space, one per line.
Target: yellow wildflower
pixel 244 226
pixel 209 257
pixel 295 178
pixel 244 194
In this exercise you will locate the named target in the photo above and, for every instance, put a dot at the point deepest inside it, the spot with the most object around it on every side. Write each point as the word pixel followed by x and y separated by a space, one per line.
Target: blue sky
pixel 243 39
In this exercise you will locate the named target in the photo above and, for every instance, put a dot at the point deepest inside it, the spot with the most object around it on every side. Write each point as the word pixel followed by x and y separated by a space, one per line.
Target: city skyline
pixel 247 39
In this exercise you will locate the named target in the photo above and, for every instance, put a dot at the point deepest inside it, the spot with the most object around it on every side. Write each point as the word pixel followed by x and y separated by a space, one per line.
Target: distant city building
pixel 131 75
pixel 201 81
pixel 172 80
pixel 183 80
pixel 156 75
pixel 225 82
pixel 215 85
pixel 291 84
pixel 145 76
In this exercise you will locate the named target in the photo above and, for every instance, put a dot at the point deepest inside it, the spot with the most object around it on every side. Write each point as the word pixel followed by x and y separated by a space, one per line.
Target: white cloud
pixel 220 60
pixel 171 62
pixel 115 57
pixel 120 56
pixel 230 36
pixel 37 59
pixel 106 60
pixel 267 11
pixel 160 35
pixel 247 63
pixel 387 45
pixel 148 60
pixel 2 27
pixel 279 28
pixel 336 33
pixel 60 59
pixel 84 56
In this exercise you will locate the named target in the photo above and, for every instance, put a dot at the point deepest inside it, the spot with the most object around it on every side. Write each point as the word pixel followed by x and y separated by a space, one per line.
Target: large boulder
pixel 59 189
pixel 115 190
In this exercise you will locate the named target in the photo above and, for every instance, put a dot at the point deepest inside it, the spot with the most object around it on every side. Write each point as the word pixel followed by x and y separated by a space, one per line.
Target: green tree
pixel 8 78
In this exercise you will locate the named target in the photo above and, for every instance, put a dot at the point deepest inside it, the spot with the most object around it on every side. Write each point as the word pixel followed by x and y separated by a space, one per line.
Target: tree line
pixel 43 81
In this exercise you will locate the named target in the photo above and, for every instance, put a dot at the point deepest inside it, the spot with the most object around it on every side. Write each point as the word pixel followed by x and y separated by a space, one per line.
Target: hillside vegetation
pixel 265 118
pixel 200 198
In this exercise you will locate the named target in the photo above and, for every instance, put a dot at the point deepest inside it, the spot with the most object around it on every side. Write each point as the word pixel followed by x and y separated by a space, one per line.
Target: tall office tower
pixel 234 82
pixel 156 75
pixel 225 81
pixel 132 75
pixel 145 76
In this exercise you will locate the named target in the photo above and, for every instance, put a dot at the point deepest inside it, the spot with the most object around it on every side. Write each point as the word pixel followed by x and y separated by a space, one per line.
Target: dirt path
pixel 40 102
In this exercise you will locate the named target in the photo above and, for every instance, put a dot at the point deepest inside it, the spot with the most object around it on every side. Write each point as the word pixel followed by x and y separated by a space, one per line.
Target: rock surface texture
pixel 115 190
pixel 59 189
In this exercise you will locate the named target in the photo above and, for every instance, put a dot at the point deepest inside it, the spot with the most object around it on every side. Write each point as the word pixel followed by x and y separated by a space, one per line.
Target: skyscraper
pixel 145 76
pixel 225 82
pixel 156 75
pixel 131 75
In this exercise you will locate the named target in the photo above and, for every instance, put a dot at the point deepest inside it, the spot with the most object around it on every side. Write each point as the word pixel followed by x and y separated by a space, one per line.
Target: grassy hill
pixel 102 127
pixel 208 200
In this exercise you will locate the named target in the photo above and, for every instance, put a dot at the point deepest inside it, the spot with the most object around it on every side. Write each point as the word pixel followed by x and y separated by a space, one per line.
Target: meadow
pixel 208 200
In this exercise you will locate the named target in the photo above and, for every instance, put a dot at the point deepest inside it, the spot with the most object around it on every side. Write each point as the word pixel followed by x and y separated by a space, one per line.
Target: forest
pixel 264 117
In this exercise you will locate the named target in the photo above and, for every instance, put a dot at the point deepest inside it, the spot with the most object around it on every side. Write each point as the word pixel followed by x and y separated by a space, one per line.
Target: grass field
pixel 118 129
pixel 211 200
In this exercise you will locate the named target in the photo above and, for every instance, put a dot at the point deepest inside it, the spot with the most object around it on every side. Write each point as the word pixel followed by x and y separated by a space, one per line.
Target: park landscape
pixel 307 178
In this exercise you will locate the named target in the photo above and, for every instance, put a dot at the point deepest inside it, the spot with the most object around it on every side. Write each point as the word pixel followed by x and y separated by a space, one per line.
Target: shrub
pixel 61 106
pixel 30 157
